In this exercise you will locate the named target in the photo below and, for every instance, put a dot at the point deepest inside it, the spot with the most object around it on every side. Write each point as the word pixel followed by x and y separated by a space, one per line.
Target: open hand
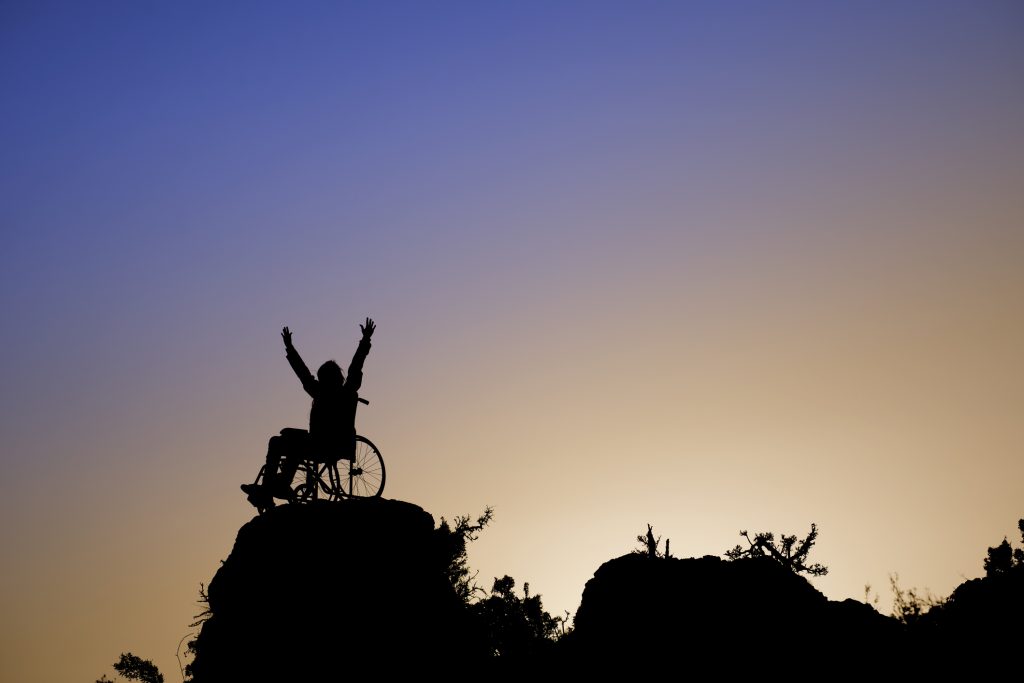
pixel 368 328
pixel 286 334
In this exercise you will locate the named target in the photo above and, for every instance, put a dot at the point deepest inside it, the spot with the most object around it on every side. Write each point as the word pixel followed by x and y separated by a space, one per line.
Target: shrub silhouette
pixel 516 627
pixel 648 544
pixel 513 627
pixel 1002 558
pixel 909 606
pixel 451 543
pixel 135 668
pixel 789 551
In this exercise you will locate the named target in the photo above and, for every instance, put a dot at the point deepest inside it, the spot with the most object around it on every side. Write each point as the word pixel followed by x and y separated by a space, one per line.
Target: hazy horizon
pixel 711 267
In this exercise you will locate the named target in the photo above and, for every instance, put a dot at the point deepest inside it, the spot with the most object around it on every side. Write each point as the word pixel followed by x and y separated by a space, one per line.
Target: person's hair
pixel 330 372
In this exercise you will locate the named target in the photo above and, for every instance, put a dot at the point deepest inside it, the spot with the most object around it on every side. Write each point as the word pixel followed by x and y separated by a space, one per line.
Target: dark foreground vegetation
pixel 324 592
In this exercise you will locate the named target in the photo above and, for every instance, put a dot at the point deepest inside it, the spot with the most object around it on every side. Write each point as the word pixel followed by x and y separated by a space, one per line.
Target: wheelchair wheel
pixel 308 484
pixel 364 476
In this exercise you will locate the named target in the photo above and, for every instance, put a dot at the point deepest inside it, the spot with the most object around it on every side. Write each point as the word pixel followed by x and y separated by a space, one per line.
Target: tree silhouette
pixel 135 669
pixel 1003 558
pixel 189 640
pixel 516 627
pixel 452 547
pixel 789 551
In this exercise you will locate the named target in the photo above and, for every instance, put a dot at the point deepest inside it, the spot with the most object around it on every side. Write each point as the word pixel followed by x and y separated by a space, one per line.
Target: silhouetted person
pixel 332 421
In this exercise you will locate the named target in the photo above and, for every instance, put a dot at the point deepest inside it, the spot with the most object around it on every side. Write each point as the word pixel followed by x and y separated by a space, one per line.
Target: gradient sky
pixel 712 266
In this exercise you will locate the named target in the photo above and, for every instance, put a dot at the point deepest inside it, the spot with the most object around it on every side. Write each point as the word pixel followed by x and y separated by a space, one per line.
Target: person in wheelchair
pixel 332 429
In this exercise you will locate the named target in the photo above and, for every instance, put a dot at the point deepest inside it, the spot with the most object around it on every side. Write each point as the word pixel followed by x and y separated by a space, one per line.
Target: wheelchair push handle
pixel 364 401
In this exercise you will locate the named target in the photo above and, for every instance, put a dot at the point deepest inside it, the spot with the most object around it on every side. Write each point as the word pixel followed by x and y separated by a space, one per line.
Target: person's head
pixel 329 374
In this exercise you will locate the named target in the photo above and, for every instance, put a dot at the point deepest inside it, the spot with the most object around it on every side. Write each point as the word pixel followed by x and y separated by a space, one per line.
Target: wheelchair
pixel 314 480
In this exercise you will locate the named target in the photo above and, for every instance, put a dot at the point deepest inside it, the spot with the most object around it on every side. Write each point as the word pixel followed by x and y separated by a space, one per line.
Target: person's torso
pixel 332 418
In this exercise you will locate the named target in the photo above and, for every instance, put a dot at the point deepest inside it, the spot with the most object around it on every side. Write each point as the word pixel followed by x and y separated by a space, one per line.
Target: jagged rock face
pixel 322 592
pixel 662 613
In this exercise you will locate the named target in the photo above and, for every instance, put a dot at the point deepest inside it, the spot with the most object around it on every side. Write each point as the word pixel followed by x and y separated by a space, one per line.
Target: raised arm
pixel 355 369
pixel 309 382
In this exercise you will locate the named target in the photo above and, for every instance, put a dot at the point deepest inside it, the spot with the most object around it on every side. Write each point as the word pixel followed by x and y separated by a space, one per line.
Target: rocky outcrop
pixel 981 617
pixel 325 591
pixel 664 614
